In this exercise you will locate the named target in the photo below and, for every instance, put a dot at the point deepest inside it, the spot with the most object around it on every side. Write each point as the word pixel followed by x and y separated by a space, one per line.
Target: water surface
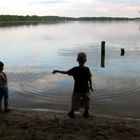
pixel 30 53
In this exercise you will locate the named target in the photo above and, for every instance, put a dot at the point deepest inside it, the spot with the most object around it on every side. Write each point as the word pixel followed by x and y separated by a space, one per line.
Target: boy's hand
pixel 54 71
pixel 91 89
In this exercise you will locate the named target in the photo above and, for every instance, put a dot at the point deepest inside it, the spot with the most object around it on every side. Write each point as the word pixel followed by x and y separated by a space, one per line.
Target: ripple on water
pixel 33 88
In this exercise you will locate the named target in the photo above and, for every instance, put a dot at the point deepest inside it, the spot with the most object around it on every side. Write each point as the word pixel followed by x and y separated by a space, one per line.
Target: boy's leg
pixel 76 98
pixel 81 103
pixel 71 114
pixel 1 96
pixel 6 99
pixel 86 99
pixel 75 104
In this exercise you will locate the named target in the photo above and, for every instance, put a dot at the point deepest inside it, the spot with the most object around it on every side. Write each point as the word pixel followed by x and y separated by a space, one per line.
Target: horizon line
pixel 70 16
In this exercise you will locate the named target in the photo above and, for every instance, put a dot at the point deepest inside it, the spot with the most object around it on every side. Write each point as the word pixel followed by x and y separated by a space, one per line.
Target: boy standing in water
pixel 3 88
pixel 82 85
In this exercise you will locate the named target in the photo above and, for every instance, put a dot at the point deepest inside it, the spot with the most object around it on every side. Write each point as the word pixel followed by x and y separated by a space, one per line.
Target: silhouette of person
pixel 82 85
pixel 3 88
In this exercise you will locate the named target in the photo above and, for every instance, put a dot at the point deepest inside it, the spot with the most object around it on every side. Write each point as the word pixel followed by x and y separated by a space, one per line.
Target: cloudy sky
pixel 72 8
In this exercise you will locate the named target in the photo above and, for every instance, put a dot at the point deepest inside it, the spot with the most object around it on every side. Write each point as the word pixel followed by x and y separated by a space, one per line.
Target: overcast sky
pixel 72 8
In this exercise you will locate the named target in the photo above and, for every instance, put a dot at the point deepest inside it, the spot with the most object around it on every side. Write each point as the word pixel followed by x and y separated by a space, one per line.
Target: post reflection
pixel 102 60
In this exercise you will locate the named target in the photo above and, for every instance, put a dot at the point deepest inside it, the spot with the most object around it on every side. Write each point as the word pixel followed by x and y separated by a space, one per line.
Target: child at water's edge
pixel 3 88
pixel 82 85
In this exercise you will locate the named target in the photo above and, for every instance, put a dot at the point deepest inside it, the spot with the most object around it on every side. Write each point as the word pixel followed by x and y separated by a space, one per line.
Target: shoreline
pixel 78 113
pixel 42 125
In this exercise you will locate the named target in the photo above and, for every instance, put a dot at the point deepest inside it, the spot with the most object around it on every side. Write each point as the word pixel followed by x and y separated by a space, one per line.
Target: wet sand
pixel 46 125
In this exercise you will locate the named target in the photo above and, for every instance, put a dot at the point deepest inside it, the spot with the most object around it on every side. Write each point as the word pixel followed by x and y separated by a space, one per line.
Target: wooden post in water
pixel 103 54
pixel 122 51
pixel 103 48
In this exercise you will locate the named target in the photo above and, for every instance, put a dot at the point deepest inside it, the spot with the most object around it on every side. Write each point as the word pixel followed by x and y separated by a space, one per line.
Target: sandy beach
pixel 46 125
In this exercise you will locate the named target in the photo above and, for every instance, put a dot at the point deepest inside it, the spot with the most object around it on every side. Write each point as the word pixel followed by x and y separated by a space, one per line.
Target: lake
pixel 31 52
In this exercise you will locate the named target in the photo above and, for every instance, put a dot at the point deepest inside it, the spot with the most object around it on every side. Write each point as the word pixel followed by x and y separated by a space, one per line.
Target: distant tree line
pixel 34 18
pixel 106 18
pixel 16 20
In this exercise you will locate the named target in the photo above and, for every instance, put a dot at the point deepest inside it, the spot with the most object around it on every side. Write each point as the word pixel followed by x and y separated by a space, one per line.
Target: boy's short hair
pixel 1 64
pixel 82 57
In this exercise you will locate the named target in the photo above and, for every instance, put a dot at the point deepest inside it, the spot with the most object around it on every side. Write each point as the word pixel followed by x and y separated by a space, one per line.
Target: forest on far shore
pixel 35 18
pixel 16 20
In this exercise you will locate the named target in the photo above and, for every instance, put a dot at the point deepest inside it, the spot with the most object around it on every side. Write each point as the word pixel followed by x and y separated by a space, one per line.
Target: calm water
pixel 30 53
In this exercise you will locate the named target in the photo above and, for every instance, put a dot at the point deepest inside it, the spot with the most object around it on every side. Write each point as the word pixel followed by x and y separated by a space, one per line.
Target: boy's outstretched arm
pixel 59 71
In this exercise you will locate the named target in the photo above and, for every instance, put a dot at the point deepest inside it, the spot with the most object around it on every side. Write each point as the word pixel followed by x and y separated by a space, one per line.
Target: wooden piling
pixel 103 54
pixel 122 51
pixel 103 48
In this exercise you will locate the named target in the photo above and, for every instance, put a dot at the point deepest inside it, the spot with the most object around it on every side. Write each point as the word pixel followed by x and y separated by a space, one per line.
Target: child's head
pixel 1 66
pixel 81 57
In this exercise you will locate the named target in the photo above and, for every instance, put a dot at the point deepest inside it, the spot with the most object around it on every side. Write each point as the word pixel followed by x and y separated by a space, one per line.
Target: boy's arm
pixel 3 76
pixel 90 84
pixel 59 71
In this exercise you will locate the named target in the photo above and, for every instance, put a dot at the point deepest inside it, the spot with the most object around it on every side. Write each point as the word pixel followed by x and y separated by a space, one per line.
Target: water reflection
pixel 26 23
pixel 16 24
pixel 103 61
